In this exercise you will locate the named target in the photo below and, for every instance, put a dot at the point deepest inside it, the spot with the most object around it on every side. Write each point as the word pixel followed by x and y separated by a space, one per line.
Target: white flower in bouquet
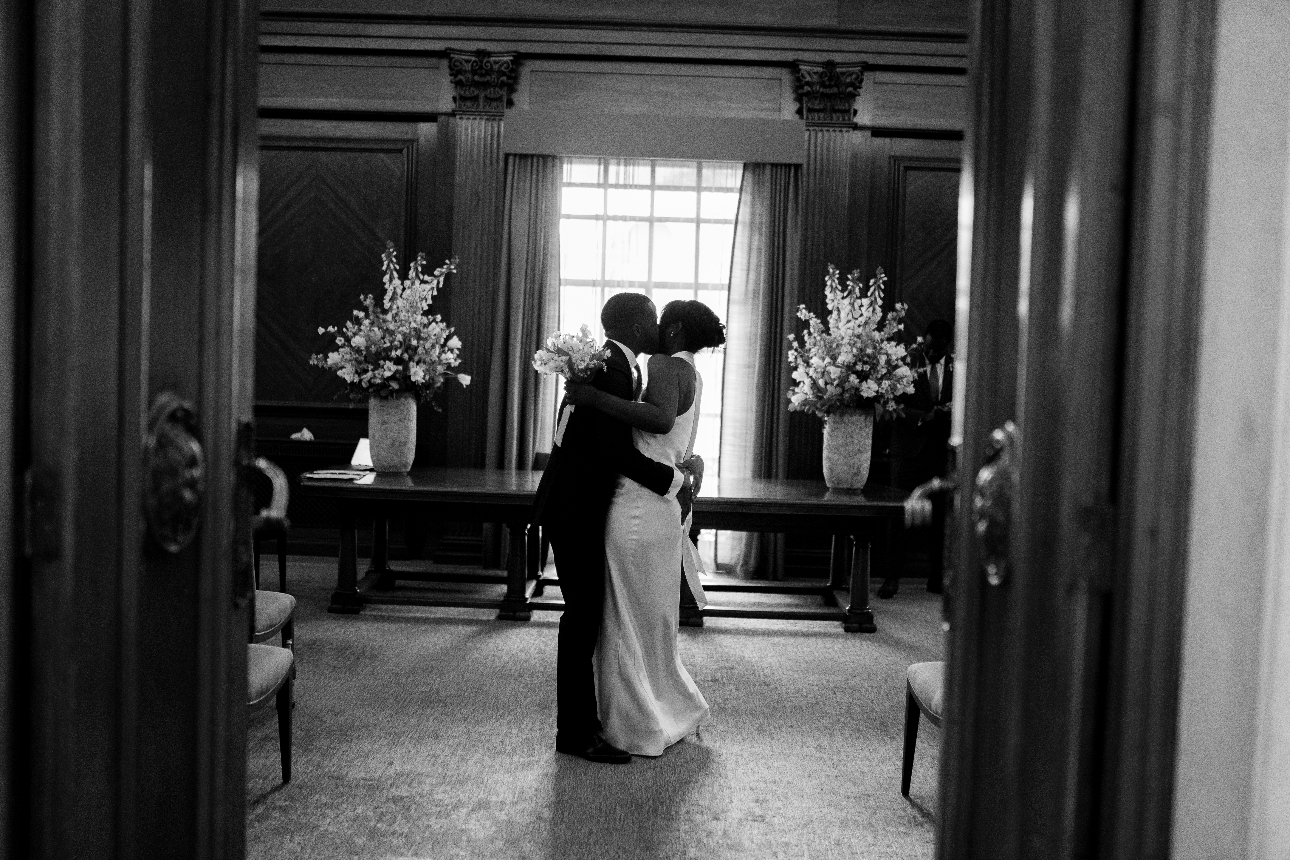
pixel 856 360
pixel 573 356
pixel 396 347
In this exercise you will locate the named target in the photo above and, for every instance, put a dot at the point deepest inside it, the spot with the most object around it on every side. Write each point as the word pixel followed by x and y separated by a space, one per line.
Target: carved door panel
pixel 910 221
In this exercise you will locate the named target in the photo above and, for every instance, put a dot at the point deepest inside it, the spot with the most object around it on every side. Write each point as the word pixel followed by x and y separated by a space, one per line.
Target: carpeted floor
pixel 429 733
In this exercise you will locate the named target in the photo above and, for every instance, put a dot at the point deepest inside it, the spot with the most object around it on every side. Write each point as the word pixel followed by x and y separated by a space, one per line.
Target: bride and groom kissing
pixel 613 500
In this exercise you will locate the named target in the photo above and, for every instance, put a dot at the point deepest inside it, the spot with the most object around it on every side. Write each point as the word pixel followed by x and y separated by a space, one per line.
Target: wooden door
pixel 1073 458
pixel 139 129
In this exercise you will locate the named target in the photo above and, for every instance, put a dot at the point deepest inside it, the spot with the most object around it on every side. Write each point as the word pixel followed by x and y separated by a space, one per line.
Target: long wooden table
pixel 861 524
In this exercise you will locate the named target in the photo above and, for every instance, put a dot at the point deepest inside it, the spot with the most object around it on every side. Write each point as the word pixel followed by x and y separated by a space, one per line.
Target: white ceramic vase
pixel 848 445
pixel 392 432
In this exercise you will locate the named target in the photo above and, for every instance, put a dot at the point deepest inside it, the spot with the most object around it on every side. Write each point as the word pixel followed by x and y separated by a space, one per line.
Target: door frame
pixel 139 272
pixel 15 220
pixel 1114 803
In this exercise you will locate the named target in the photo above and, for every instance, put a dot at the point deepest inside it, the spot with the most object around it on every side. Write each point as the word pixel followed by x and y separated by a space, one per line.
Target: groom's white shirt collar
pixel 631 356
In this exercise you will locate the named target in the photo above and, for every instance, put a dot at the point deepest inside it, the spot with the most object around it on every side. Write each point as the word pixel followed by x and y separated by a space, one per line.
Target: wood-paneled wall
pixel 361 144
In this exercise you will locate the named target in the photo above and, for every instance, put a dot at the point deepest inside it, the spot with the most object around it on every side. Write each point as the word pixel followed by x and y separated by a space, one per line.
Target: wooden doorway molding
pixel 1083 190
pixel 137 119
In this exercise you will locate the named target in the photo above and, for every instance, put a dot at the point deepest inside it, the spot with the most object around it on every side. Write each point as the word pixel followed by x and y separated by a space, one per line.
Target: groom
pixel 591 450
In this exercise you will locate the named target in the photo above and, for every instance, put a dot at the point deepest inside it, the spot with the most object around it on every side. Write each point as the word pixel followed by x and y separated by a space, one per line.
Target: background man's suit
pixel 572 502
pixel 919 453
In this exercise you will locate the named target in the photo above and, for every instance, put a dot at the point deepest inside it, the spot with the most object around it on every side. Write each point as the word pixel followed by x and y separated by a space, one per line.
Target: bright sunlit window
pixel 663 228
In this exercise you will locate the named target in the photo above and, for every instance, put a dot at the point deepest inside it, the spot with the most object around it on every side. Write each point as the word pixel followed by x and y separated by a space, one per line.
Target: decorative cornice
pixel 482 82
pixel 826 92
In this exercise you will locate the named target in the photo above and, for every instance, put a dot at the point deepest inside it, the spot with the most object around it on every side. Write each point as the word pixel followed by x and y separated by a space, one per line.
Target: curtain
pixel 754 408
pixel 521 404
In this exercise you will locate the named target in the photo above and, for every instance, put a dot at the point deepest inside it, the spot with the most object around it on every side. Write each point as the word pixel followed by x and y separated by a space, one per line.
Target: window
pixel 663 228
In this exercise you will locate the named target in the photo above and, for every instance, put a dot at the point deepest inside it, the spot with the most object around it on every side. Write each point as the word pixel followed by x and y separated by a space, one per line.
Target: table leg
pixel 515 605
pixel 345 599
pixel 839 562
pixel 381 553
pixel 859 616
pixel 535 558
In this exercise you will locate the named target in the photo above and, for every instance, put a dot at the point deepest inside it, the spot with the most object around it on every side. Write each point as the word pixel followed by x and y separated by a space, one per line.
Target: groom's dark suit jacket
pixel 582 474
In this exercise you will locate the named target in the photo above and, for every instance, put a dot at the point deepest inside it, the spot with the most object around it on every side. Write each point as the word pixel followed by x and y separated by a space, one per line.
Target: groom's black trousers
pixel 579 549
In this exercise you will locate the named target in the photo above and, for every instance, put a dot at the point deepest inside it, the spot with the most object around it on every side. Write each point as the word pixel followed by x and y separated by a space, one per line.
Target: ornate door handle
pixel 174 474
pixel 992 503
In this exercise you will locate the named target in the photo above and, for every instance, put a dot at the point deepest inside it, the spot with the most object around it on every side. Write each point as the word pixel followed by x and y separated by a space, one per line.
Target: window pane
pixel 578 306
pixel 628 201
pixel 708 363
pixel 663 296
pixel 582 201
pixel 674 252
pixel 722 174
pixel 628 172
pixel 715 242
pixel 579 249
pixel 675 204
pixel 611 241
pixel 707 442
pixel 582 170
pixel 627 251
pixel 719 204
pixel 676 173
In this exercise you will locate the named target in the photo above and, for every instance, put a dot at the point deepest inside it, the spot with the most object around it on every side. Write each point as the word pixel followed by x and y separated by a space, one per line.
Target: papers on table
pixel 336 474
pixel 361 467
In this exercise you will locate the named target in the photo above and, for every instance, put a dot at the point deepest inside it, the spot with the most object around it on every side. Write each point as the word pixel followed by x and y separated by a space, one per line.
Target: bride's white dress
pixel 647 699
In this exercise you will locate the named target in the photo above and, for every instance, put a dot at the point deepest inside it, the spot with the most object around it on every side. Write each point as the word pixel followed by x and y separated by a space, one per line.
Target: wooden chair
pixel 274 610
pixel 271 524
pixel 271 670
pixel 924 694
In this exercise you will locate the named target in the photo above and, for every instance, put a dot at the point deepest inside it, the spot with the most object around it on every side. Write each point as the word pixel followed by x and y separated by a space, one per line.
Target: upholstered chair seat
pixel 273 615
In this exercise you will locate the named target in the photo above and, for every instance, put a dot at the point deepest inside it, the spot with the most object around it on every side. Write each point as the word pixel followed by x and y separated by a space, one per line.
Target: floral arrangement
pixel 855 361
pixel 396 347
pixel 574 356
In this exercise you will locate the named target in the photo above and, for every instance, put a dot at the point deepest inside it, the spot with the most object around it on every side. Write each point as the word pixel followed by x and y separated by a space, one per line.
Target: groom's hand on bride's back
pixel 685 496
pixel 580 392
pixel 693 466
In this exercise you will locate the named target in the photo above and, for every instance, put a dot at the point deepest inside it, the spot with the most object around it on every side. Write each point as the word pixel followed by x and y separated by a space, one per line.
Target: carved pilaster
pixel 826 92
pixel 482 83
pixel 478 203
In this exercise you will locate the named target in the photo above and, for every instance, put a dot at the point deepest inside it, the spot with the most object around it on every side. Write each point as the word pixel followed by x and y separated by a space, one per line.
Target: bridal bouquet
pixel 576 357
pixel 856 360
pixel 395 347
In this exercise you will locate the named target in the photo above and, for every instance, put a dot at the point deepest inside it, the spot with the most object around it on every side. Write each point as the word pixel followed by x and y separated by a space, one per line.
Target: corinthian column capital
pixel 482 83
pixel 826 92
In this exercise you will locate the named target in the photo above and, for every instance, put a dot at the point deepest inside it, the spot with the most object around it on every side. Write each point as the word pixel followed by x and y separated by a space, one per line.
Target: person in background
pixel 920 442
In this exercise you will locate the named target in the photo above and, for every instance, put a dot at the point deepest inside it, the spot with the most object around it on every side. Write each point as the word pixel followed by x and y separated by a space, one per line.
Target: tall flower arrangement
pixel 856 360
pixel 397 347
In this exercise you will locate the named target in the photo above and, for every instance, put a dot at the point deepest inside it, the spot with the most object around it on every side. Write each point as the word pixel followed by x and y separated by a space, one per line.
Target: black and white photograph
pixel 590 430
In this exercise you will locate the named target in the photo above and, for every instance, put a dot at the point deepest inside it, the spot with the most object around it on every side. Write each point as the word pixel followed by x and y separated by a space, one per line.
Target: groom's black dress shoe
pixel 594 748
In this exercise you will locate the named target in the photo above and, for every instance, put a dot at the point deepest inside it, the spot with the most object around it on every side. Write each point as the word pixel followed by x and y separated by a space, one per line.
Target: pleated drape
pixel 520 403
pixel 754 409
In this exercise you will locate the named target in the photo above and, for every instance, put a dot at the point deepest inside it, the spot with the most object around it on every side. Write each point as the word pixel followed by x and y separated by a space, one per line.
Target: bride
pixel 647 699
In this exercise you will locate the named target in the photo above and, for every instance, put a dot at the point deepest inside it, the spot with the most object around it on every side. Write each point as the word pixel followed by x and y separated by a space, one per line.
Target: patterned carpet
pixel 429 733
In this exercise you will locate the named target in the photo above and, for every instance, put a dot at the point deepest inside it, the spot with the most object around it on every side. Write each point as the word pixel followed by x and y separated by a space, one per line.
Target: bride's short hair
pixel 700 327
